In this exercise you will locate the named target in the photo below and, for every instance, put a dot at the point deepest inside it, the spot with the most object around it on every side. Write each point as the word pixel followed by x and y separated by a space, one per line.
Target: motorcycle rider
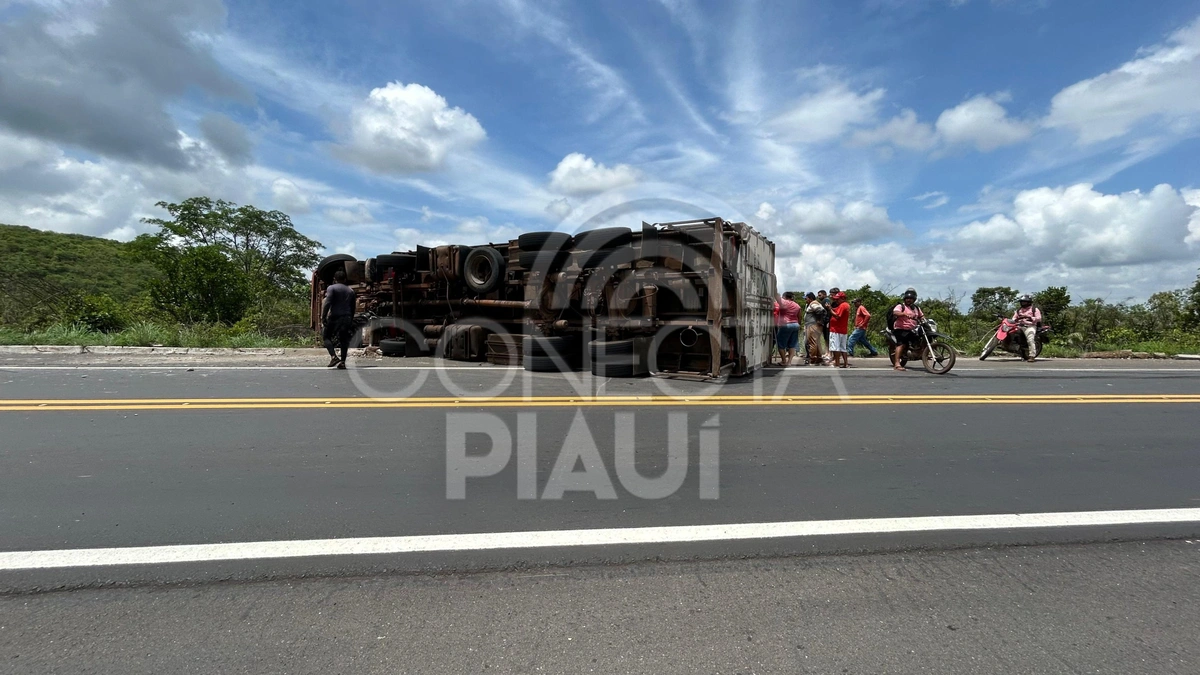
pixel 906 317
pixel 1028 318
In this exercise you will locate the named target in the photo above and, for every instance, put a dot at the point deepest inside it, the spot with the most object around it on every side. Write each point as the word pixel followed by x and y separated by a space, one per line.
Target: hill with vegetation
pixel 74 262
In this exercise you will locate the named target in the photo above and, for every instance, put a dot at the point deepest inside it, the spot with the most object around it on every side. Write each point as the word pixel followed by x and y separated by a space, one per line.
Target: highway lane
pixel 1101 608
pixel 136 478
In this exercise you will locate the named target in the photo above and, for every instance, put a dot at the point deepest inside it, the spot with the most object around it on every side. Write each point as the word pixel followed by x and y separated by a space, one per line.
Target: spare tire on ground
pixel 550 354
pixel 330 265
pixel 392 347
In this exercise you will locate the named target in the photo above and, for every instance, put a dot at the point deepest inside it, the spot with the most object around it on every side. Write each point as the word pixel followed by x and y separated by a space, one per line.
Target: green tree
pixel 987 301
pixel 1053 301
pixel 1191 307
pixel 264 245
pixel 198 283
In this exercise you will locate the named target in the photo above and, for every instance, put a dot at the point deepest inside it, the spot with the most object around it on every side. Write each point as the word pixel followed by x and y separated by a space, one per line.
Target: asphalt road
pixel 139 458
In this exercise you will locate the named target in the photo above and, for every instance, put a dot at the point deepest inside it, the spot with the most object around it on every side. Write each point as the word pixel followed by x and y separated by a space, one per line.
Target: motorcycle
pixel 1010 338
pixel 932 347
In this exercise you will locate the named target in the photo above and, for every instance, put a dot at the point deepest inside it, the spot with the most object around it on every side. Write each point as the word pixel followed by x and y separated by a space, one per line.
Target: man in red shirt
pixel 862 319
pixel 839 329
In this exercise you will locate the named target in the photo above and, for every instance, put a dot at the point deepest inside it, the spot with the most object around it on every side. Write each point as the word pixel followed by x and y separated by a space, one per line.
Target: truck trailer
pixel 687 299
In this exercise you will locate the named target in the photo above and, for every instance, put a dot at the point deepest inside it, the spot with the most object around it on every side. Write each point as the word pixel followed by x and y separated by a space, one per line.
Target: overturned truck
pixel 688 299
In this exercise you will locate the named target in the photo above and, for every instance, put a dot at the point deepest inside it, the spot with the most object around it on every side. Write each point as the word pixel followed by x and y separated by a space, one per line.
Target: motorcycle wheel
pixel 988 348
pixel 938 358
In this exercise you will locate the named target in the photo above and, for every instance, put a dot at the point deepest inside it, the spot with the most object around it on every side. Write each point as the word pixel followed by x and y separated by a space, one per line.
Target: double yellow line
pixel 184 404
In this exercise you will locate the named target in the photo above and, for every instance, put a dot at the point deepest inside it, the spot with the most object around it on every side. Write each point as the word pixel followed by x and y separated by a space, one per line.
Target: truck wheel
pixel 484 269
pixel 605 237
pixel 328 266
pixel 543 260
pixel 401 262
pixel 543 241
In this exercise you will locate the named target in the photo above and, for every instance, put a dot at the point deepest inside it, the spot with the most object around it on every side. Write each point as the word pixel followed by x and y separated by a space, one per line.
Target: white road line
pixel 195 367
pixel 192 553
pixel 806 372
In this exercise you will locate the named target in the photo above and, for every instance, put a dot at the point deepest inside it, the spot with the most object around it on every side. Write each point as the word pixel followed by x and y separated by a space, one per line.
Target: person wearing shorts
pixel 787 338
pixel 839 330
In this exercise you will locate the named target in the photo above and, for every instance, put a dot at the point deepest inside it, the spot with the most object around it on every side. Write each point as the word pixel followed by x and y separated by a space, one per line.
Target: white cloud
pixel 578 174
pixel 902 131
pixel 124 233
pixel 1164 83
pixel 1079 227
pixel 1192 197
pixel 932 200
pixel 349 248
pixel 288 197
pixel 981 122
pixel 827 114
pixel 559 208
pixel 822 220
pixel 765 211
pixel 407 128
pixel 350 216
pixel 408 238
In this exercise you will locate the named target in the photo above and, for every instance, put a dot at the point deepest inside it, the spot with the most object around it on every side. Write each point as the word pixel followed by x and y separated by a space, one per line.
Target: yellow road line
pixel 45 405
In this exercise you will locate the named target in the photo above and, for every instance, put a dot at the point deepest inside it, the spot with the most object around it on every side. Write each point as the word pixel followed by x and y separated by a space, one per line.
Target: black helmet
pixel 1026 298
pixel 910 293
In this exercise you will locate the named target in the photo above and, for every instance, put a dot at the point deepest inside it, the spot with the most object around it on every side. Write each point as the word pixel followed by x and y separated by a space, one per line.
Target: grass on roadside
pixel 148 334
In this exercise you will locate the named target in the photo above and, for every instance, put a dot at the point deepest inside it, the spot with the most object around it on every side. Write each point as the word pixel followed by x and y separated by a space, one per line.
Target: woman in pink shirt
pixel 788 336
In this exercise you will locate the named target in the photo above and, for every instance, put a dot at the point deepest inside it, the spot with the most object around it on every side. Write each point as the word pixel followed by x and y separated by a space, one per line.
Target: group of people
pixel 826 318
pixel 828 339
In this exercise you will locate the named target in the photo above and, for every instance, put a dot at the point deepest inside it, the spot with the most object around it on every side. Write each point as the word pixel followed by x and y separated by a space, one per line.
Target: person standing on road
pixel 907 316
pixel 789 329
pixel 823 298
pixel 1028 318
pixel 862 319
pixel 814 318
pixel 337 320
pixel 839 326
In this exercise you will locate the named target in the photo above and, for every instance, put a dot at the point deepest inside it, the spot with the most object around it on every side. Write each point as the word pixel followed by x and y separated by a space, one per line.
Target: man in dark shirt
pixel 337 319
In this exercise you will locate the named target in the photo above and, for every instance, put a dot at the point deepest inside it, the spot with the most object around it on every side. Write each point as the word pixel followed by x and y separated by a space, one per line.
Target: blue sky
pixel 946 144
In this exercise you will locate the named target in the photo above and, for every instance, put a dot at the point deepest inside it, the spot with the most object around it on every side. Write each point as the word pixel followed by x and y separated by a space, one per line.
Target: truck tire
pixel 328 266
pixel 401 262
pixel 600 349
pixel 543 260
pixel 607 257
pixel 605 237
pixel 543 241
pixel 537 345
pixel 392 347
pixel 483 270
pixel 548 364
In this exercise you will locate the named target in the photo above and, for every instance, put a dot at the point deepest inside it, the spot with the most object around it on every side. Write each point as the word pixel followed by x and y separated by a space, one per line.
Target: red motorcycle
pixel 1010 338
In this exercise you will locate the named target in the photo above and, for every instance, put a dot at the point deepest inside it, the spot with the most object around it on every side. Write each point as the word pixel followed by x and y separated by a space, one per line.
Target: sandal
pixel 899 368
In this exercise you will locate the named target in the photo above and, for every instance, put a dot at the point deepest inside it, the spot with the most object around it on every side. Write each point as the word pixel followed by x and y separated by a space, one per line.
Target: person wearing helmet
pixel 906 316
pixel 1028 318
